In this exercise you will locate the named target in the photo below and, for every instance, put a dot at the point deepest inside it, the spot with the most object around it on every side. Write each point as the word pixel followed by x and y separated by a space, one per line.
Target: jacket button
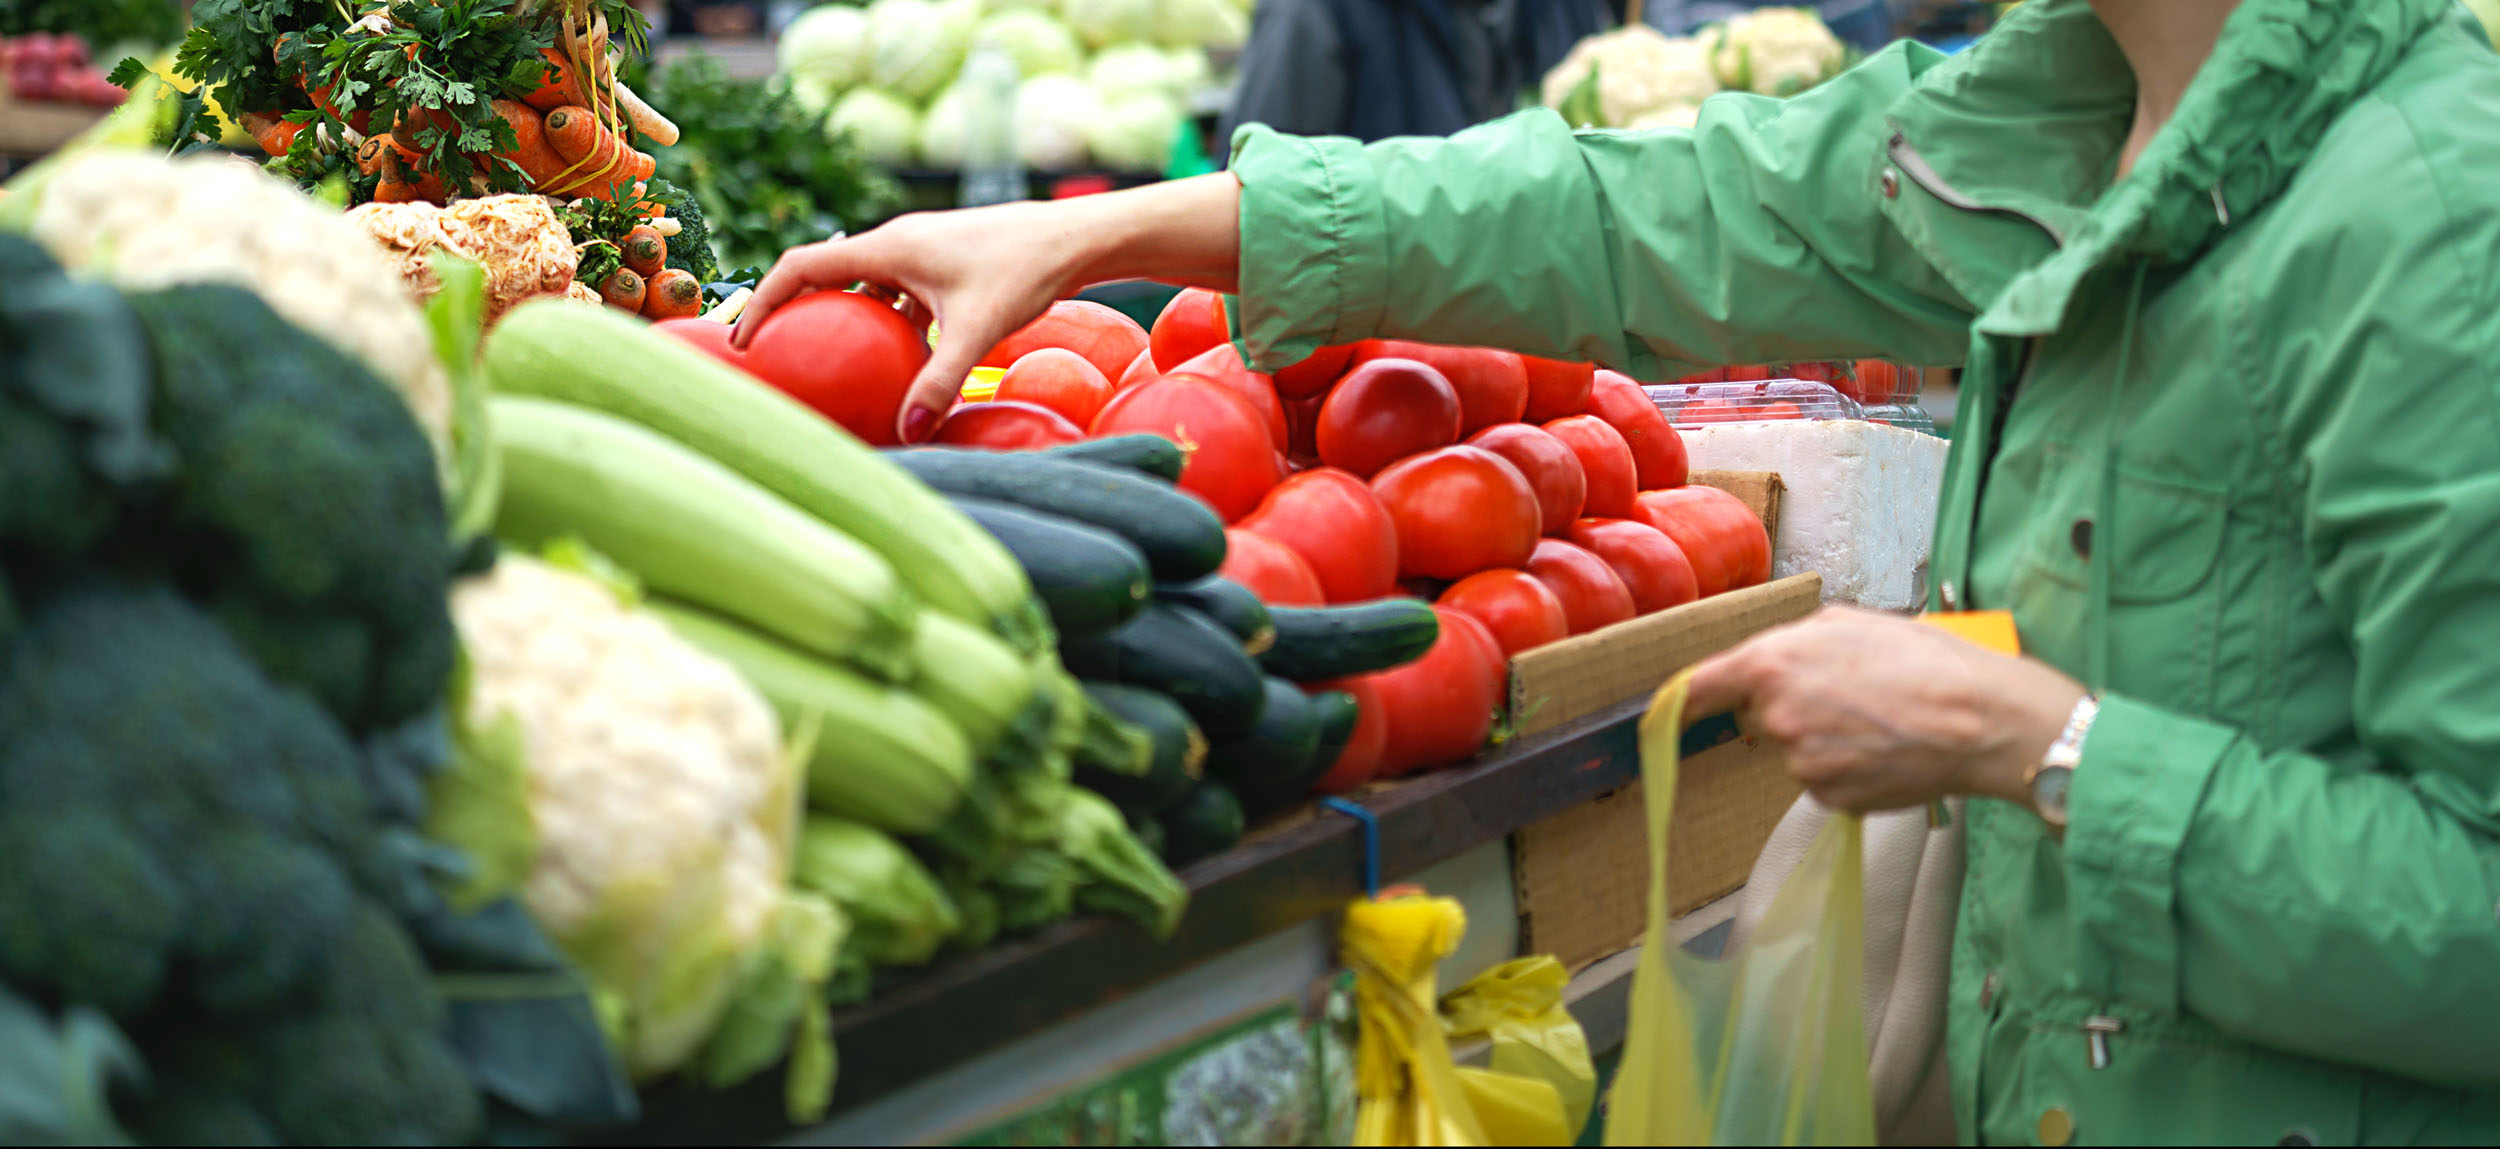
pixel 1946 595
pixel 2082 538
pixel 2057 1127
pixel 1892 183
pixel 2298 1137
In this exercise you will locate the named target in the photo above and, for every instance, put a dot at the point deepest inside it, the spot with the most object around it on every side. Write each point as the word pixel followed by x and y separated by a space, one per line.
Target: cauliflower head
pixel 1777 52
pixel 143 221
pixel 664 810
pixel 1639 70
pixel 1673 116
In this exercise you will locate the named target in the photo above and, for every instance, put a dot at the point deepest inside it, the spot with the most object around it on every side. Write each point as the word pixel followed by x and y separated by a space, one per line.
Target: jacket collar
pixel 2281 75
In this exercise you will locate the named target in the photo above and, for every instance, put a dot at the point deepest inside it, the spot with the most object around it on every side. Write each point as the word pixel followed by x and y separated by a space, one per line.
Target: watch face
pixel 2048 791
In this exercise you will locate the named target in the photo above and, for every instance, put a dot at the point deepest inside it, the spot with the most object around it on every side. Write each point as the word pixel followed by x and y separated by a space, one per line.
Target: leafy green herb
pixel 760 163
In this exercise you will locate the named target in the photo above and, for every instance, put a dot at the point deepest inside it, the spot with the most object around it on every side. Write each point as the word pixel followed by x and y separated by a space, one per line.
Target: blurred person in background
pixel 1373 69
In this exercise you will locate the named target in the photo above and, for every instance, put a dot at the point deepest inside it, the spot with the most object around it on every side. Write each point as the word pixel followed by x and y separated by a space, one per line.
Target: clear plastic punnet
pixel 1765 401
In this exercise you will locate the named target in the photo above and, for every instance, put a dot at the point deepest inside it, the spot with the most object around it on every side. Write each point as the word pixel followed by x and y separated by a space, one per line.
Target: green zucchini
pixel 622 367
pixel 1317 644
pixel 882 755
pixel 1114 745
pixel 1149 834
pixel 1146 454
pixel 1178 749
pixel 974 678
pixel 1182 654
pixel 1274 764
pixel 1183 540
pixel 1339 713
pixel 1088 579
pixel 1205 822
pixel 696 531
pixel 1230 605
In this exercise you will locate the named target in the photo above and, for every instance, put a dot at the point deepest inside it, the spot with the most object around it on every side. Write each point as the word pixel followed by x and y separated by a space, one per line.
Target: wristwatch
pixel 2050 781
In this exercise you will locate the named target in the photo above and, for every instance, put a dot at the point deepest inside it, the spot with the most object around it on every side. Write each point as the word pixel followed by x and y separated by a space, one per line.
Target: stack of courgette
pixel 1126 563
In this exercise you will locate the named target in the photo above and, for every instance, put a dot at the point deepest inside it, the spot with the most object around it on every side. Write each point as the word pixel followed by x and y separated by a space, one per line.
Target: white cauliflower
pixel 143 221
pixel 1778 52
pixel 1639 70
pixel 665 811
pixel 1676 116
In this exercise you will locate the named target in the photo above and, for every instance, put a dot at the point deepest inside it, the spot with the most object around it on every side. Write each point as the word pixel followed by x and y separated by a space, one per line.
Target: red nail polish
pixel 918 424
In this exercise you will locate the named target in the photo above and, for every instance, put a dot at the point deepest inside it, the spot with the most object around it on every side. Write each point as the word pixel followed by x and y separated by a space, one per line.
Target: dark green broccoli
pixel 74 404
pixel 305 507
pixel 690 250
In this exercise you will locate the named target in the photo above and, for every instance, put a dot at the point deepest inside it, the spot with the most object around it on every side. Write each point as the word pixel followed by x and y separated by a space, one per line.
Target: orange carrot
pixel 530 152
pixel 624 290
pixel 557 90
pixel 644 165
pixel 371 154
pixel 597 157
pixel 645 250
pixel 275 135
pixel 572 131
pixel 673 294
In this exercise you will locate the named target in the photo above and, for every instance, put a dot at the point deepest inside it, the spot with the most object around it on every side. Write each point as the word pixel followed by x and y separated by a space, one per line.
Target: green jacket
pixel 2228 450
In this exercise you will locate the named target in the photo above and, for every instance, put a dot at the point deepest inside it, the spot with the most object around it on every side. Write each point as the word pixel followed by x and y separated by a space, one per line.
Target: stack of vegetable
pixel 224 654
pixel 1102 82
pixel 1638 77
pixel 902 645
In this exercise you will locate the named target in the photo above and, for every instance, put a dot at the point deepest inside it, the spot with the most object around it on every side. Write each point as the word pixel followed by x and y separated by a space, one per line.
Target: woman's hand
pixel 981 273
pixel 1878 712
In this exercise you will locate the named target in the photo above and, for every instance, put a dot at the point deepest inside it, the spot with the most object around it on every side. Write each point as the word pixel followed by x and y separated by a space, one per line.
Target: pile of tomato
pixel 1529 500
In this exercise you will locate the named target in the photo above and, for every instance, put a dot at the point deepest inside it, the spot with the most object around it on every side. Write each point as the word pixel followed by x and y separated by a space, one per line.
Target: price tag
pixel 1993 629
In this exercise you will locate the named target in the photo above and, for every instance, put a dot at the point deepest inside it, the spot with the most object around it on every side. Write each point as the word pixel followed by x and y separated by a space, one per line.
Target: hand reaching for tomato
pixel 1878 712
pixel 982 273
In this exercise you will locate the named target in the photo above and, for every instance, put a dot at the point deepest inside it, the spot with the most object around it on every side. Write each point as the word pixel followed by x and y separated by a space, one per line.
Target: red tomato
pixel 1722 537
pixel 1556 389
pixel 1103 336
pixel 1440 708
pixel 1302 432
pixel 1606 467
pixel 1651 566
pixel 1459 510
pixel 1552 470
pixel 1222 364
pixel 1270 570
pixel 1879 381
pixel 1006 426
pixel 1318 372
pixel 1360 759
pixel 1059 379
pixel 1593 595
pixel 1338 526
pixel 1139 370
pixel 1520 612
pixel 1384 411
pixel 848 356
pixel 1190 324
pixel 1746 374
pixel 1492 385
pixel 1232 463
pixel 1714 375
pixel 706 336
pixel 1658 459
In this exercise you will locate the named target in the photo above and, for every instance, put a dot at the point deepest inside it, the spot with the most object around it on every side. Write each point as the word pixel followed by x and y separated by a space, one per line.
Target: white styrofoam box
pixel 1859 506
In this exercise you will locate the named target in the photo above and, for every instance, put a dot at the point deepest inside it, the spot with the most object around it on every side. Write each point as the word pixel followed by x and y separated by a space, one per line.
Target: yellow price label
pixel 1993 629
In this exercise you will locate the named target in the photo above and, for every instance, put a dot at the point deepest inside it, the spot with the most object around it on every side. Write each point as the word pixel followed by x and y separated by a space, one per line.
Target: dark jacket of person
pixel 1373 69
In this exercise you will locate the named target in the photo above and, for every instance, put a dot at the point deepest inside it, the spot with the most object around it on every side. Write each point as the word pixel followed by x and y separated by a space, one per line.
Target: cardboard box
pixel 1582 877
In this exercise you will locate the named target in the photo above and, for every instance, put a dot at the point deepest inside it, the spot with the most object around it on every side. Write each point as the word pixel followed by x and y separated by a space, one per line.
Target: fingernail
pixel 918 424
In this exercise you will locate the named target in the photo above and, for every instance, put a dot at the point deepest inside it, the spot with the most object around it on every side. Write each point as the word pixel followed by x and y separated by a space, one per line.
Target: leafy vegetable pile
pixel 223 652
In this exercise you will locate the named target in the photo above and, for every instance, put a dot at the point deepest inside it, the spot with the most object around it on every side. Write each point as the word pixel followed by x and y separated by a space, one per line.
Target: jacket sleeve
pixel 2348 909
pixel 1756 237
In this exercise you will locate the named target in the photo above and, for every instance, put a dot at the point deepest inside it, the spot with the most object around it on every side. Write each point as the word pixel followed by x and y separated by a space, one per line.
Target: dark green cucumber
pixel 1339 713
pixel 1279 760
pixel 1180 653
pixel 1178 750
pixel 1206 821
pixel 1149 834
pixel 1182 539
pixel 1316 644
pixel 1230 605
pixel 1146 454
pixel 1089 579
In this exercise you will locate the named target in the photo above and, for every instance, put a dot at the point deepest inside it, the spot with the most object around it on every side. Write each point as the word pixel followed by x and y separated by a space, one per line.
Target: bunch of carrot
pixel 646 285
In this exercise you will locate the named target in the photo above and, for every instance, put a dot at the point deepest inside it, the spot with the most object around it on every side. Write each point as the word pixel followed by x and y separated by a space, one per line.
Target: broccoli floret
pixel 690 250
pixel 86 910
pixel 305 506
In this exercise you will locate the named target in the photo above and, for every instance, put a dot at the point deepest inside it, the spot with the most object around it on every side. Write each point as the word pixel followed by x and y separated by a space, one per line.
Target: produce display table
pixel 1289 876
pixel 32 131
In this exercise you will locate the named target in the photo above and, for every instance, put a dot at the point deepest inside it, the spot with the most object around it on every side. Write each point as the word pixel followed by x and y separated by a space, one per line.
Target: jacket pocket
pixel 2165 543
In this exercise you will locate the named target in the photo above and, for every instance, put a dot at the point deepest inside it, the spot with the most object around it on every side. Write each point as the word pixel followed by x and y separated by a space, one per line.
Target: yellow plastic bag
pixel 1519 1005
pixel 1409 1090
pixel 1766 1046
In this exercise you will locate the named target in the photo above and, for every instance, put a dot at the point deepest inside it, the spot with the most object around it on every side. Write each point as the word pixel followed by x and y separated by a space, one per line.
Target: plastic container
pixel 1869 382
pixel 1766 401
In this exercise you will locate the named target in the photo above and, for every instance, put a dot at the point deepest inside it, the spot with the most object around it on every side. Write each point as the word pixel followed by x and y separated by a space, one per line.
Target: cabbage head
pixel 826 47
pixel 1191 72
pixel 885 128
pixel 1201 24
pixel 943 129
pixel 915 46
pixel 1053 114
pixel 1038 43
pixel 1105 22
pixel 1124 68
pixel 1134 131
